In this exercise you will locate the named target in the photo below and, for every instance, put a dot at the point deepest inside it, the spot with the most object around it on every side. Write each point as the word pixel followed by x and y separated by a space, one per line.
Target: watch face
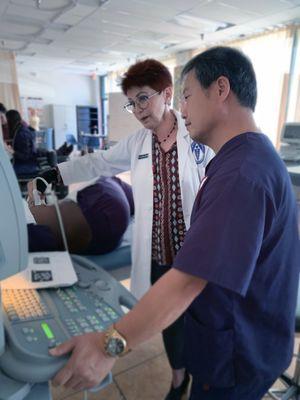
pixel 115 346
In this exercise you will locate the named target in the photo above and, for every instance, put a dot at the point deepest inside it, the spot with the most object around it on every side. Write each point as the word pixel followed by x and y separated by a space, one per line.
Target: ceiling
pixel 88 36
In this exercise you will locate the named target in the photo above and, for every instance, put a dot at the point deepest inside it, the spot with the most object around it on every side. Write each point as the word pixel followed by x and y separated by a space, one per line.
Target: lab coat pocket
pixel 209 353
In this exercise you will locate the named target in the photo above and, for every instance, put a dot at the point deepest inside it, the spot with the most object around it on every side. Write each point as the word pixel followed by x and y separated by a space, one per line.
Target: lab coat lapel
pixel 142 234
pixel 143 172
pixel 183 146
pixel 188 173
pixel 147 165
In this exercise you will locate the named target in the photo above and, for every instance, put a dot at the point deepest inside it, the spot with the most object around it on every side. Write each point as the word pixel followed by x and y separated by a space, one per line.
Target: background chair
pixel 88 142
pixel 291 383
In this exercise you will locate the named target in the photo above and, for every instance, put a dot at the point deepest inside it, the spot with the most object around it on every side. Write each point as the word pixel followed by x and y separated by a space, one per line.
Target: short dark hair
pixel 2 108
pixel 149 72
pixel 231 63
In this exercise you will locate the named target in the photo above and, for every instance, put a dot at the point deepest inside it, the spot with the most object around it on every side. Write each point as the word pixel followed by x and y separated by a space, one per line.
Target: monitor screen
pixel 13 233
pixel 291 133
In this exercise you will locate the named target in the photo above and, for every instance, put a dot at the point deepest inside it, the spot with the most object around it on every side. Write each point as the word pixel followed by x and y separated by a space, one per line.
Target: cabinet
pixel 70 119
pixel 87 127
pixel 87 120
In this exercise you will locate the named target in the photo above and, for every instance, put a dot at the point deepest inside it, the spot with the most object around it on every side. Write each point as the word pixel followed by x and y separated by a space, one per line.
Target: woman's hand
pixel 30 200
pixel 3 120
pixel 9 149
pixel 31 196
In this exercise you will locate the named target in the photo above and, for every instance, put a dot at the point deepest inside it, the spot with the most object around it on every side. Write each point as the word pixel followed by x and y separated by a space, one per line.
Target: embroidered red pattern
pixel 168 230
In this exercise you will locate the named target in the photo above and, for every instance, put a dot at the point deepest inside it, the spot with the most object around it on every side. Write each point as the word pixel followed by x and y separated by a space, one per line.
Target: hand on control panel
pixel 88 364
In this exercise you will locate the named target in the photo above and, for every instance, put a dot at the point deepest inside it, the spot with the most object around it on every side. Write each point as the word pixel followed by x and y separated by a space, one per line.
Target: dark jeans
pixel 173 337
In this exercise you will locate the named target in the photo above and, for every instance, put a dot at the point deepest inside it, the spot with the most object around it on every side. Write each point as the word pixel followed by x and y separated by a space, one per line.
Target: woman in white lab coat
pixel 166 169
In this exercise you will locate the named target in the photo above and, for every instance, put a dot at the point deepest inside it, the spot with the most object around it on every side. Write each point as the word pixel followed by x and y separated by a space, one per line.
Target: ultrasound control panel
pixel 37 320
pixel 290 153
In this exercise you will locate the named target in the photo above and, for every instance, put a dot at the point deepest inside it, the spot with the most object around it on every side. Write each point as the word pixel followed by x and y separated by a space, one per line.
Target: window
pixel 104 104
pixel 272 74
pixel 293 106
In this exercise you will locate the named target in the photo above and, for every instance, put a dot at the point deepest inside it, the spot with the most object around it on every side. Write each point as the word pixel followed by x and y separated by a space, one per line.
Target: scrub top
pixel 244 242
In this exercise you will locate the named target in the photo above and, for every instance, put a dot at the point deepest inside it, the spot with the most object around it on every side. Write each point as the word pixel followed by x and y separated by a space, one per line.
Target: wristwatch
pixel 115 345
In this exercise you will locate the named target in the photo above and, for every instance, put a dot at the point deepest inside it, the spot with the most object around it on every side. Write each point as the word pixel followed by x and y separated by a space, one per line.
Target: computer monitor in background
pixel 291 133
pixel 13 232
pixel 44 139
pixel 290 143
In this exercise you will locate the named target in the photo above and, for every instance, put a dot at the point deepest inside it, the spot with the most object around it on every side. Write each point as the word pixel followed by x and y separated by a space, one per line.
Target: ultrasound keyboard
pixel 37 320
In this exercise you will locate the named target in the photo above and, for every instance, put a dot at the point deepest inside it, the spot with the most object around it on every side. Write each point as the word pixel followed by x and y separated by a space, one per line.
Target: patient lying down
pixel 94 218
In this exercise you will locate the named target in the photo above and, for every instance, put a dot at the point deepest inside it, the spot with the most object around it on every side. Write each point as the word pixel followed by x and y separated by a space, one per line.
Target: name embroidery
pixel 141 156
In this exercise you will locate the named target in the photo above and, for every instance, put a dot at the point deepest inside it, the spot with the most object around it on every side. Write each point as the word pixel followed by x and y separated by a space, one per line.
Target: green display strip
pixel 48 332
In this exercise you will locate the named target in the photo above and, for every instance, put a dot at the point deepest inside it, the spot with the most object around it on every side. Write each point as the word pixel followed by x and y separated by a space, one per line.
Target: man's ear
pixel 168 93
pixel 223 87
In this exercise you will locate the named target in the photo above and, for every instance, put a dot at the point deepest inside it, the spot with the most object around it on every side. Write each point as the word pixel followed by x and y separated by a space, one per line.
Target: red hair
pixel 149 72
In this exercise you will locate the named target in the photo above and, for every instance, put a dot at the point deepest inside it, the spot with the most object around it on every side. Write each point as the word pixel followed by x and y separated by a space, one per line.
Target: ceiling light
pixel 43 5
pixel 38 3
pixel 168 46
pixel 200 24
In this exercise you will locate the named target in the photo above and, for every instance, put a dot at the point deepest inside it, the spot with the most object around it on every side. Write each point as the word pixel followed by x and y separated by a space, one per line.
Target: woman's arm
pixel 104 162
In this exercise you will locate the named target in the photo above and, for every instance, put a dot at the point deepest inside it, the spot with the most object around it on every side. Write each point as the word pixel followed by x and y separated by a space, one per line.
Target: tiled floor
pixel 141 375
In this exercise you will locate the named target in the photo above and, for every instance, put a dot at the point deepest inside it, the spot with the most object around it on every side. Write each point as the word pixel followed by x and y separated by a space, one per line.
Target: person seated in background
pixel 22 141
pixel 94 218
pixel 21 138
pixel 5 136
pixel 3 122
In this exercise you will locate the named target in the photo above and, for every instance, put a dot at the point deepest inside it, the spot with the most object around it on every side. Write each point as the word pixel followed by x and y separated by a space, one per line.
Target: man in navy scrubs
pixel 236 275
pixel 240 330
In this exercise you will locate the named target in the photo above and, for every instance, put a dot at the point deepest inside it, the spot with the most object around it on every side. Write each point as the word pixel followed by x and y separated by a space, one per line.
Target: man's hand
pixel 88 364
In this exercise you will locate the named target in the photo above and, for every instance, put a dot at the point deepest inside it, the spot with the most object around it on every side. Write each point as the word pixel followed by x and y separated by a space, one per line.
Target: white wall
pixel 58 88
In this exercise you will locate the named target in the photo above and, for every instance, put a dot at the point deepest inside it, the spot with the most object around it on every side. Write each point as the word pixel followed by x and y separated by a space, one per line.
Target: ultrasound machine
pixel 33 321
pixel 290 143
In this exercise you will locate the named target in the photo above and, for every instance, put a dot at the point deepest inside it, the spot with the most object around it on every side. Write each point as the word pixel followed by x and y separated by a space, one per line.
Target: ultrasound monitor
pixel 13 233
pixel 291 133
